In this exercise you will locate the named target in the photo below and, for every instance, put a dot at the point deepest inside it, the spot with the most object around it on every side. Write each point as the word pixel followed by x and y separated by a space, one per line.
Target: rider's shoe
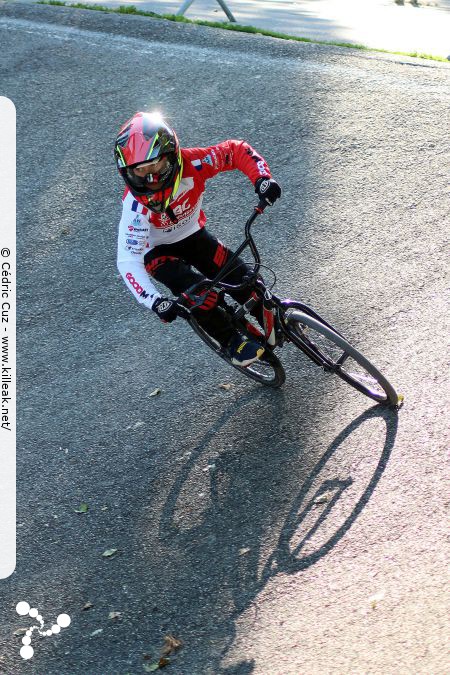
pixel 243 351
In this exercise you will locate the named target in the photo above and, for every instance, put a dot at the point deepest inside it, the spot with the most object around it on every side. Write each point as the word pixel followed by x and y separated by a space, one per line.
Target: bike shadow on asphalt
pixel 228 569
pixel 290 559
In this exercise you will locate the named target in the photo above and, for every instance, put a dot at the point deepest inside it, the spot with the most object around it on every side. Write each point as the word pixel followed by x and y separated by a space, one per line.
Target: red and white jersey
pixel 140 229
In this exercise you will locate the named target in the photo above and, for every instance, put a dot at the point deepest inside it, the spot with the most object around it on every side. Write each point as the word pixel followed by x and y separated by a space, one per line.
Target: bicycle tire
pixel 377 387
pixel 267 371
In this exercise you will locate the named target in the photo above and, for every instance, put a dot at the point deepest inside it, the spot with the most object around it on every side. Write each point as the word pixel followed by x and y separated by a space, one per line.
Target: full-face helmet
pixel 144 141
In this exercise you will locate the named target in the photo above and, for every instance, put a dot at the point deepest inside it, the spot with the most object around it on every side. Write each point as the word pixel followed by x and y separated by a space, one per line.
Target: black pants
pixel 171 264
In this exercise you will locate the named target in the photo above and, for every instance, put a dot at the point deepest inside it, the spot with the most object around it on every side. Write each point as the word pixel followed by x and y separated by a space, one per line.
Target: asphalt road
pixel 211 496
pixel 421 26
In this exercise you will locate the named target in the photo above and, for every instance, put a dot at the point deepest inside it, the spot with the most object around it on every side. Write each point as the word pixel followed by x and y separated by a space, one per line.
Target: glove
pixel 166 309
pixel 267 190
pixel 210 299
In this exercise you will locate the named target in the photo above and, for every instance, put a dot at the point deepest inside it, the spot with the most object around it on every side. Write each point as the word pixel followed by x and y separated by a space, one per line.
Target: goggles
pixel 151 162
pixel 151 181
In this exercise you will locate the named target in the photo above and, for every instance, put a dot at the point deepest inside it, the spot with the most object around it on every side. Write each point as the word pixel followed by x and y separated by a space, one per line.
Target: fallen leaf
pixel 227 387
pixel 114 615
pixel 97 632
pixel 83 508
pixel 171 645
pixel 243 551
pixel 88 605
pixel 109 552
pixel 20 631
pixel 104 508
pixel 151 667
pixel 155 392
pixel 375 599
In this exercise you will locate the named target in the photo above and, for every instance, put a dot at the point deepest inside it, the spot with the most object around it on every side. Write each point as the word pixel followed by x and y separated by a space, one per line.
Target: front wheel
pixel 267 370
pixel 339 357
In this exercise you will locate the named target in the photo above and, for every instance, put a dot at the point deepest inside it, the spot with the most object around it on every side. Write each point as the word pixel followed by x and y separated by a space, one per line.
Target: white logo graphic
pixel 261 167
pixel 23 608
pixel 181 208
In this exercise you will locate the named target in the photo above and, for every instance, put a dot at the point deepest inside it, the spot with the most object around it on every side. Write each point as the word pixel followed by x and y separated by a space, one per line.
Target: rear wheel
pixel 339 357
pixel 267 370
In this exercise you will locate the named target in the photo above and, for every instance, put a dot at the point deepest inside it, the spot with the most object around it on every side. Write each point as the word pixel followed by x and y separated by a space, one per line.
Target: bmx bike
pixel 285 321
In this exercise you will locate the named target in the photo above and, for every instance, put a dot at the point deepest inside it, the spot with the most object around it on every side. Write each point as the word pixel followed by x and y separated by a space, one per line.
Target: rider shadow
pixel 167 525
pixel 309 515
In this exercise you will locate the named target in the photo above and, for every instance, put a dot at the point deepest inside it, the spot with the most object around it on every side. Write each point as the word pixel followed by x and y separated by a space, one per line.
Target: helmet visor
pixel 143 179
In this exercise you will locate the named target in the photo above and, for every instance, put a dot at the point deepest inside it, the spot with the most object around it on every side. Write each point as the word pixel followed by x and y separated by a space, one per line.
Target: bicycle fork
pixel 268 316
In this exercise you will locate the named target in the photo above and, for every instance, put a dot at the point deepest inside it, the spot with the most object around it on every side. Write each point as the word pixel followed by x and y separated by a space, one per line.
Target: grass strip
pixel 132 9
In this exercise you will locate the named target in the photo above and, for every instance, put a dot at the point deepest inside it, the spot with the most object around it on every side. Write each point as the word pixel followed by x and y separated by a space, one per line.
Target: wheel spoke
pixel 342 358
pixel 267 370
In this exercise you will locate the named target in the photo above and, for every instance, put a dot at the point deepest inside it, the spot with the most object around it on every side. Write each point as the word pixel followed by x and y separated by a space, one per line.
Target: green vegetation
pixel 132 9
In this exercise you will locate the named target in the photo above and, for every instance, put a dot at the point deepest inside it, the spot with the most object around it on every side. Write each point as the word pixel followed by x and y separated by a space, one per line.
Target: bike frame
pixel 279 327
pixel 276 330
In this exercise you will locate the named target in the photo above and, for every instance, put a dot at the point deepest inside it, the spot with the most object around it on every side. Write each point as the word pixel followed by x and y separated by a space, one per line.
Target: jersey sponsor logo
pixel 182 208
pixel 136 225
pixel 261 167
pixel 165 220
pixel 197 164
pixel 259 161
pixel 174 227
pixel 214 158
pixel 132 242
pixel 207 160
pixel 137 287
pixel 136 229
pixel 186 213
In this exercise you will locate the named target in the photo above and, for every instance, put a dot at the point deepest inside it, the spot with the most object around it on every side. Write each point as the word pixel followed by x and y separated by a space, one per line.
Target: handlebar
pixel 193 291
pixel 257 211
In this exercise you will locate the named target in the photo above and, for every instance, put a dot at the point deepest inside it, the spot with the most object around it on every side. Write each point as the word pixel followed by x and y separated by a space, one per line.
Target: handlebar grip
pixel 183 311
pixel 261 206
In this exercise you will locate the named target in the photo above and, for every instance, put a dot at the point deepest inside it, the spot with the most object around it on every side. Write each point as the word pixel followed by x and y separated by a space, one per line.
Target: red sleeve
pixel 227 156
